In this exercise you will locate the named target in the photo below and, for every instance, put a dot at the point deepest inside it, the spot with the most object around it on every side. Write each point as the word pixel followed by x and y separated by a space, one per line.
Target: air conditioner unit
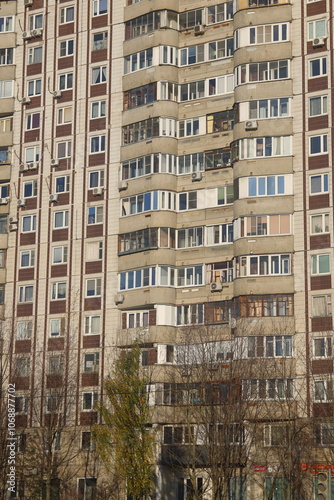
pixel 318 42
pixel 216 287
pixel 13 220
pixel 122 186
pixel 4 201
pixel 199 30
pixel 25 100
pixel 98 191
pixel 53 197
pixel 33 166
pixel 119 298
pixel 23 167
pixel 26 35
pixel 36 33
pixel 196 176
pixel 57 94
pixel 12 227
pixel 251 125
pixel 54 163
pixel 28 3
pixel 21 202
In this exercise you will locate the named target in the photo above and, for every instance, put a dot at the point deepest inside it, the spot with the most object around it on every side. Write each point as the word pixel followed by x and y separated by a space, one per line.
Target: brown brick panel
pixel 97 124
pixel 89 379
pixel 31 135
pixel 65 62
pixel 64 164
pixel 152 317
pixel 62 130
pixel 152 356
pixel 31 203
pixel 35 102
pixel 38 4
pixel 322 324
pixel 59 234
pixel 96 159
pixel 27 238
pixel 66 29
pixel 92 197
pixel 319 83
pixel 56 344
pixel 52 419
pixel 94 267
pixel 58 270
pixel 66 95
pixel 21 383
pixel 322 409
pixel 321 282
pixel 34 69
pixel 316 8
pixel 24 310
pixel 94 230
pixel 320 241
pixel 91 341
pixel 99 89
pixel 313 50
pixel 57 306
pixel 320 161
pixel 21 421
pixel 318 201
pixel 100 21
pixel 26 274
pixel 92 304
pixel 23 346
pixel 124 321
pixel 63 198
pixel 317 122
pixel 321 366
pixel 99 55
pixel 54 381
pixel 88 418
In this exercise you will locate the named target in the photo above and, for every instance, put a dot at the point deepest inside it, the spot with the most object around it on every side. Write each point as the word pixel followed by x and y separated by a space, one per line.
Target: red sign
pixel 315 468
pixel 259 468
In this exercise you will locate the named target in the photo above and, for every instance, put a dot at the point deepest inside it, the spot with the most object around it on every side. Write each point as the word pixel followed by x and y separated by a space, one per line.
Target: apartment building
pixel 165 179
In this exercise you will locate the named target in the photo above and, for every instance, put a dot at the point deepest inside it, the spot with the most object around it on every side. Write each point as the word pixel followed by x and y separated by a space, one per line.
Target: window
pixel 26 293
pixel 91 362
pixel 21 404
pixel 263 225
pixel 319 223
pixel 35 55
pixel 270 346
pixel 28 223
pixel 268 33
pixel 30 189
pixel 32 154
pixel 266 305
pixel 93 287
pixel 22 367
pixel 325 435
pixel 262 71
pixel 27 258
pixel 323 390
pixel 66 48
pixel 317 28
pixel 98 144
pixel 263 265
pixel 261 147
pixel 34 87
pixel 218 122
pixel 138 278
pixel 319 184
pixel 318 144
pixel 53 403
pixel 3 255
pixel 64 149
pixel 64 115
pixel 56 365
pixel 6 23
pixel 57 327
pixel 253 389
pixel 98 109
pixel 192 314
pixel 6 123
pixel 146 24
pixel 62 184
pixel 100 7
pixel 59 255
pixel 275 435
pixel 96 179
pixel 66 81
pixel 152 200
pixel 318 106
pixel 139 60
pixel 270 185
pixel 318 67
pixel 33 121
pixel 137 319
pixel 188 200
pixel 277 488
pixel 87 488
pixel 190 18
pixel 320 264
pixel 321 305
pixel 144 130
pixel 4 190
pixel 100 41
pixel 95 215
pixel 94 251
pixel 66 15
pixel 92 325
pixel 24 330
pixel 189 276
pixel 225 195
pixel 99 74
pixel 322 347
pixel 219 13
pixel 89 400
pixel 6 88
pixel 60 219
pixel 58 291
pixel 269 108
pixel 141 95
pixel 87 442
pixel 36 22
pixel 3 224
pixel 6 56
pixel 190 237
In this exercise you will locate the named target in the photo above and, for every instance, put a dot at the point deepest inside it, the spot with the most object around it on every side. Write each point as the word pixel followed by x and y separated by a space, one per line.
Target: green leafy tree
pixel 124 443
